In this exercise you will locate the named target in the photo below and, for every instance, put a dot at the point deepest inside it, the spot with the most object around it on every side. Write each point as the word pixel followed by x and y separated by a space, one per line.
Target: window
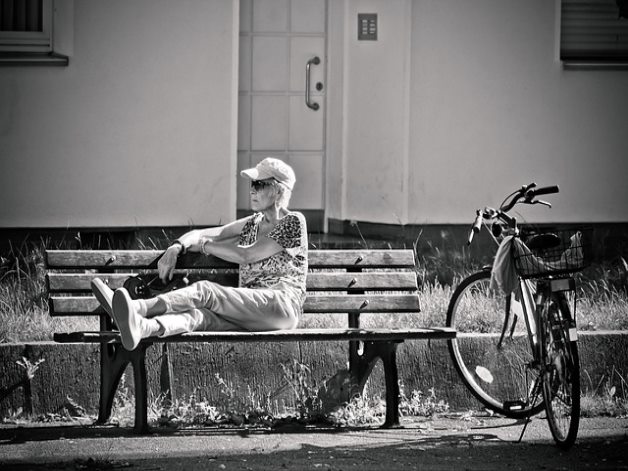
pixel 594 31
pixel 26 26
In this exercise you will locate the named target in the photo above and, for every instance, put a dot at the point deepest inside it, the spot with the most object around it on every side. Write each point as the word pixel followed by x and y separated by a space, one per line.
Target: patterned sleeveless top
pixel 286 270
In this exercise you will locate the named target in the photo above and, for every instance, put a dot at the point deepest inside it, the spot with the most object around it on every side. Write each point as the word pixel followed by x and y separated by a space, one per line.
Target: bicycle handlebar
pixel 546 190
pixel 526 194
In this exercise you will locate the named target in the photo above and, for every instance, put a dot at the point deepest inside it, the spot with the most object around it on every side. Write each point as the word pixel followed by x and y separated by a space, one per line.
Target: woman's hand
pixel 168 262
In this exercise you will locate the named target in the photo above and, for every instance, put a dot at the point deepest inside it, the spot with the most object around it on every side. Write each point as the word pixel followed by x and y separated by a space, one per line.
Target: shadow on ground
pixel 439 445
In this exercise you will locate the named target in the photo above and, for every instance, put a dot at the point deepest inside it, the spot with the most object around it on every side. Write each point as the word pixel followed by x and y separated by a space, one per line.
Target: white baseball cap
pixel 272 168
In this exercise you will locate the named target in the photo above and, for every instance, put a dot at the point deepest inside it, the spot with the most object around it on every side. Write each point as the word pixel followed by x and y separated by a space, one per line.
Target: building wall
pixel 455 105
pixel 138 130
pixel 493 108
pixel 477 105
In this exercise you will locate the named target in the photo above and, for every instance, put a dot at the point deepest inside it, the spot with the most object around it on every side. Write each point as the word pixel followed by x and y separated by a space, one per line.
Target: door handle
pixel 310 104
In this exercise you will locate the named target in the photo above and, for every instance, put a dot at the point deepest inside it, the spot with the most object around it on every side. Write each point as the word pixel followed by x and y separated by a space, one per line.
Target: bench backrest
pixel 339 281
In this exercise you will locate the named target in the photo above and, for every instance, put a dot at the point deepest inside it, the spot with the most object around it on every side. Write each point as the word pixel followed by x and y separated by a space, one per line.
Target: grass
pixel 609 397
pixel 603 302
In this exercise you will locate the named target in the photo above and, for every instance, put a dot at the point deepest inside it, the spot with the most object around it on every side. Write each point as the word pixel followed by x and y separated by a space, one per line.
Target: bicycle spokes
pixel 492 359
pixel 561 385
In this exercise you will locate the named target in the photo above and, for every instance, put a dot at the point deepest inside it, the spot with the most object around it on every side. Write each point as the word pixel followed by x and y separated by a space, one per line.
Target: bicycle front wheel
pixel 497 369
pixel 561 378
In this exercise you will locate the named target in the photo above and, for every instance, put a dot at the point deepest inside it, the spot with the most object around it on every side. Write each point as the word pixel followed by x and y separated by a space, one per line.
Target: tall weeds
pixel 602 300
pixel 23 306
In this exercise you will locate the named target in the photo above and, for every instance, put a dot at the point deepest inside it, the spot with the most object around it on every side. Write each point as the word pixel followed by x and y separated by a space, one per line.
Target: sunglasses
pixel 258 185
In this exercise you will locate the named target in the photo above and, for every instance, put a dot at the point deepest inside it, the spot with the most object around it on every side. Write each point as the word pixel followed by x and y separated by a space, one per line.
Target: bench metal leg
pixel 389 358
pixel 138 360
pixel 114 359
pixel 362 365
pixel 166 376
pixel 112 365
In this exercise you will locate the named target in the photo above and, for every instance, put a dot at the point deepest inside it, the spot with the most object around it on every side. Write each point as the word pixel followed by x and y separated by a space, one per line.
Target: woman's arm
pixel 190 241
pixel 240 254
pixel 287 235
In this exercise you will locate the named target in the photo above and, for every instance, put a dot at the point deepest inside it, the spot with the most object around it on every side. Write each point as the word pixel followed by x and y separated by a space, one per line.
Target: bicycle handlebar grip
pixel 477 225
pixel 546 190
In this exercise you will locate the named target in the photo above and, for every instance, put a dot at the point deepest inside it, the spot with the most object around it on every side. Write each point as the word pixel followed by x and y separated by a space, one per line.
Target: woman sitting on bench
pixel 271 248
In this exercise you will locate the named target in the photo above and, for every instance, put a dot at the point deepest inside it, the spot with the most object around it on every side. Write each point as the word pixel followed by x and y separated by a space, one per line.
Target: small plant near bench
pixel 245 408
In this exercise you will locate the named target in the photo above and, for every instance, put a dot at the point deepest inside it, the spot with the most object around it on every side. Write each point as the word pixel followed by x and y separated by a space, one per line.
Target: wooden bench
pixel 354 282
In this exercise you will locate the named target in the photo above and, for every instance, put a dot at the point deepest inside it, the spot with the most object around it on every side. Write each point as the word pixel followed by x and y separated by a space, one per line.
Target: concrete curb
pixel 254 370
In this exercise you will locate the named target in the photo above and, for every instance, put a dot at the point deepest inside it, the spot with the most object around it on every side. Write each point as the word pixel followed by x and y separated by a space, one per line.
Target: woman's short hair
pixel 283 195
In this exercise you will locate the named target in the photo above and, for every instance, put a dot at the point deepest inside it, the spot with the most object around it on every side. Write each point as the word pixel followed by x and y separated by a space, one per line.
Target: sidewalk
pixel 439 444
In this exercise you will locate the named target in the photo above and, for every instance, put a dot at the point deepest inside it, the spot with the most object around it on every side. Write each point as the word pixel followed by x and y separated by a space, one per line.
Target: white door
pixel 282 48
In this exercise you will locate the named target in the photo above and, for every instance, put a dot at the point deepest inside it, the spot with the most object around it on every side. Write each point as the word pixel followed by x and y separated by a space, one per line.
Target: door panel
pixel 270 64
pixel 270 15
pixel 308 16
pixel 310 194
pixel 302 50
pixel 277 39
pixel 269 117
pixel 306 126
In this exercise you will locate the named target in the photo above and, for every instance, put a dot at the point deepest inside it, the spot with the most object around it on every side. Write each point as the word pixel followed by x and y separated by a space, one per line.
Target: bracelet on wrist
pixel 179 243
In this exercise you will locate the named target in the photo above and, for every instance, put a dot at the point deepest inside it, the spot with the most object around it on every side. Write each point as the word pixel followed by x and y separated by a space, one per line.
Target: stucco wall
pixel 368 112
pixel 139 130
pixel 477 105
pixel 456 104
pixel 493 108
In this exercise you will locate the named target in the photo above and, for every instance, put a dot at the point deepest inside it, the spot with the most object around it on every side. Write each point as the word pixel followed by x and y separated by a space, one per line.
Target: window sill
pixel 590 65
pixel 8 59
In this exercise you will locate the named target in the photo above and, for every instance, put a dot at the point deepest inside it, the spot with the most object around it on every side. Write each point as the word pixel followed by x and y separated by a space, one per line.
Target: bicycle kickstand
pixel 535 395
pixel 525 426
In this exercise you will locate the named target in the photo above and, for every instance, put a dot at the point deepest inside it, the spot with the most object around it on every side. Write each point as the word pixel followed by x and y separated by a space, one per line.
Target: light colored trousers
pixel 208 306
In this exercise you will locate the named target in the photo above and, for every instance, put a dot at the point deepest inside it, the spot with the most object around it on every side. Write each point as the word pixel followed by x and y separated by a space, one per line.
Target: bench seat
pixel 305 335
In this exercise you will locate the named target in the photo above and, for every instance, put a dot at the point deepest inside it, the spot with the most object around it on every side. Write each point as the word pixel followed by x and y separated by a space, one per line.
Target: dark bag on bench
pixel 149 286
pixel 146 286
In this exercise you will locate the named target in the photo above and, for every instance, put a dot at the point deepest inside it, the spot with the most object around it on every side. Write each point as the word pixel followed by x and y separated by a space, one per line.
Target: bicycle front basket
pixel 561 252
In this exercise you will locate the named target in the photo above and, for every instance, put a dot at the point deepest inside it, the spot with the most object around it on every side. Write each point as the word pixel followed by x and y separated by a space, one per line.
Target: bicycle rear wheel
pixel 561 385
pixel 500 375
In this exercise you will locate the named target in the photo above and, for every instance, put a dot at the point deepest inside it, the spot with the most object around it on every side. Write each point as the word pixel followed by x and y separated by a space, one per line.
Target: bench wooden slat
pixel 363 303
pixel 316 281
pixel 80 282
pixel 116 259
pixel 277 335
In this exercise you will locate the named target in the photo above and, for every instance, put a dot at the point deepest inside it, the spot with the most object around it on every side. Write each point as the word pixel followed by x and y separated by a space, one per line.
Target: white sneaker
pixel 129 322
pixel 103 294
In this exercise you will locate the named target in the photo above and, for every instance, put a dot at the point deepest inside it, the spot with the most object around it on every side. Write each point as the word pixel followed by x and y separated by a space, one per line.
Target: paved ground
pixel 440 444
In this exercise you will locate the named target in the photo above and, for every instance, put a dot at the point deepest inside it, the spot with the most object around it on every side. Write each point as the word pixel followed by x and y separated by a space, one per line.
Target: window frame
pixel 31 41
pixel 604 55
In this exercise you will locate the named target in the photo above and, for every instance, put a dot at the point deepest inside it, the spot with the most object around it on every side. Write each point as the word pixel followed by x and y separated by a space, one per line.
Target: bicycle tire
pixel 561 381
pixel 500 377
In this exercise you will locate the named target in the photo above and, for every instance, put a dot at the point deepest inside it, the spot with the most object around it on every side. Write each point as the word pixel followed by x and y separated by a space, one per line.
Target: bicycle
pixel 518 368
